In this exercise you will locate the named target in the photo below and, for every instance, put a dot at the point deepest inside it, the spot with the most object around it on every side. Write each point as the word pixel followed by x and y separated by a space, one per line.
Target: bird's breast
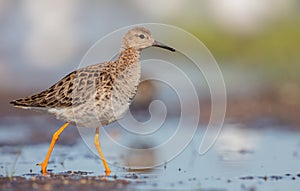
pixel 112 105
pixel 126 84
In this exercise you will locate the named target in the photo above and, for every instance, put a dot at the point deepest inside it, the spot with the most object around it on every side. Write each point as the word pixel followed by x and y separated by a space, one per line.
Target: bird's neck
pixel 128 57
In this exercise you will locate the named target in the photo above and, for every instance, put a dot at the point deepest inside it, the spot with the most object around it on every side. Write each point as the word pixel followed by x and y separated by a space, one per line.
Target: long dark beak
pixel 161 45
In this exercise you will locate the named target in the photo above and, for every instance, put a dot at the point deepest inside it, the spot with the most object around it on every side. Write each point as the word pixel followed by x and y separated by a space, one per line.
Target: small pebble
pixel 134 176
pixel 247 178
pixel 276 177
pixel 265 178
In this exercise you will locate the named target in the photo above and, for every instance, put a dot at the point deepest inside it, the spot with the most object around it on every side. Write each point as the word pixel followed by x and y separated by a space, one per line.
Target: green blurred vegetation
pixel 274 50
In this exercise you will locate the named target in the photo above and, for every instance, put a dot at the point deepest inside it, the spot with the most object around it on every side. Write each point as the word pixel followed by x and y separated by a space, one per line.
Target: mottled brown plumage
pixel 98 94
pixel 101 77
pixel 95 95
pixel 88 91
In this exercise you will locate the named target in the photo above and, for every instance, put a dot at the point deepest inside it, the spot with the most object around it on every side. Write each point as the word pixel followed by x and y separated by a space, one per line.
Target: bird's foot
pixel 43 168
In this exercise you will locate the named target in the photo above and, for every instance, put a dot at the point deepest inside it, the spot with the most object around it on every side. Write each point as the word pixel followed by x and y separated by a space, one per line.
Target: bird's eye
pixel 142 36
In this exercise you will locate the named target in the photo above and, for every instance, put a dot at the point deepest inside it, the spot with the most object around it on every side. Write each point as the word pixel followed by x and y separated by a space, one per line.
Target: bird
pixel 96 95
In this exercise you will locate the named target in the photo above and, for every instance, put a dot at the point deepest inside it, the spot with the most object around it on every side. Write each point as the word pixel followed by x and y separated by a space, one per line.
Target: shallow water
pixel 241 159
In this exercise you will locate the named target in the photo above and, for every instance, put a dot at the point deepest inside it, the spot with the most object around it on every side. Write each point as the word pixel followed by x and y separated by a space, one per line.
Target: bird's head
pixel 140 38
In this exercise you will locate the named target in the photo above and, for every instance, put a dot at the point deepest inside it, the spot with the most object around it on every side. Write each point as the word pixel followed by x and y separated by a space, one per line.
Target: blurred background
pixel 256 44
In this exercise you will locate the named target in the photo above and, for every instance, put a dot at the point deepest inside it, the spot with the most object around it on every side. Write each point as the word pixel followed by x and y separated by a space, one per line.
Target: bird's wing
pixel 74 89
pixel 55 96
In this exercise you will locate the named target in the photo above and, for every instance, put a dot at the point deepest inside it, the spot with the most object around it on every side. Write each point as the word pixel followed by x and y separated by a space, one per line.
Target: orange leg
pixel 55 137
pixel 97 144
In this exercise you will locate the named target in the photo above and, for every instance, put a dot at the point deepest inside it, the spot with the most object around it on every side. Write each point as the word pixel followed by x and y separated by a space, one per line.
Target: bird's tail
pixel 19 103
pixel 29 102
